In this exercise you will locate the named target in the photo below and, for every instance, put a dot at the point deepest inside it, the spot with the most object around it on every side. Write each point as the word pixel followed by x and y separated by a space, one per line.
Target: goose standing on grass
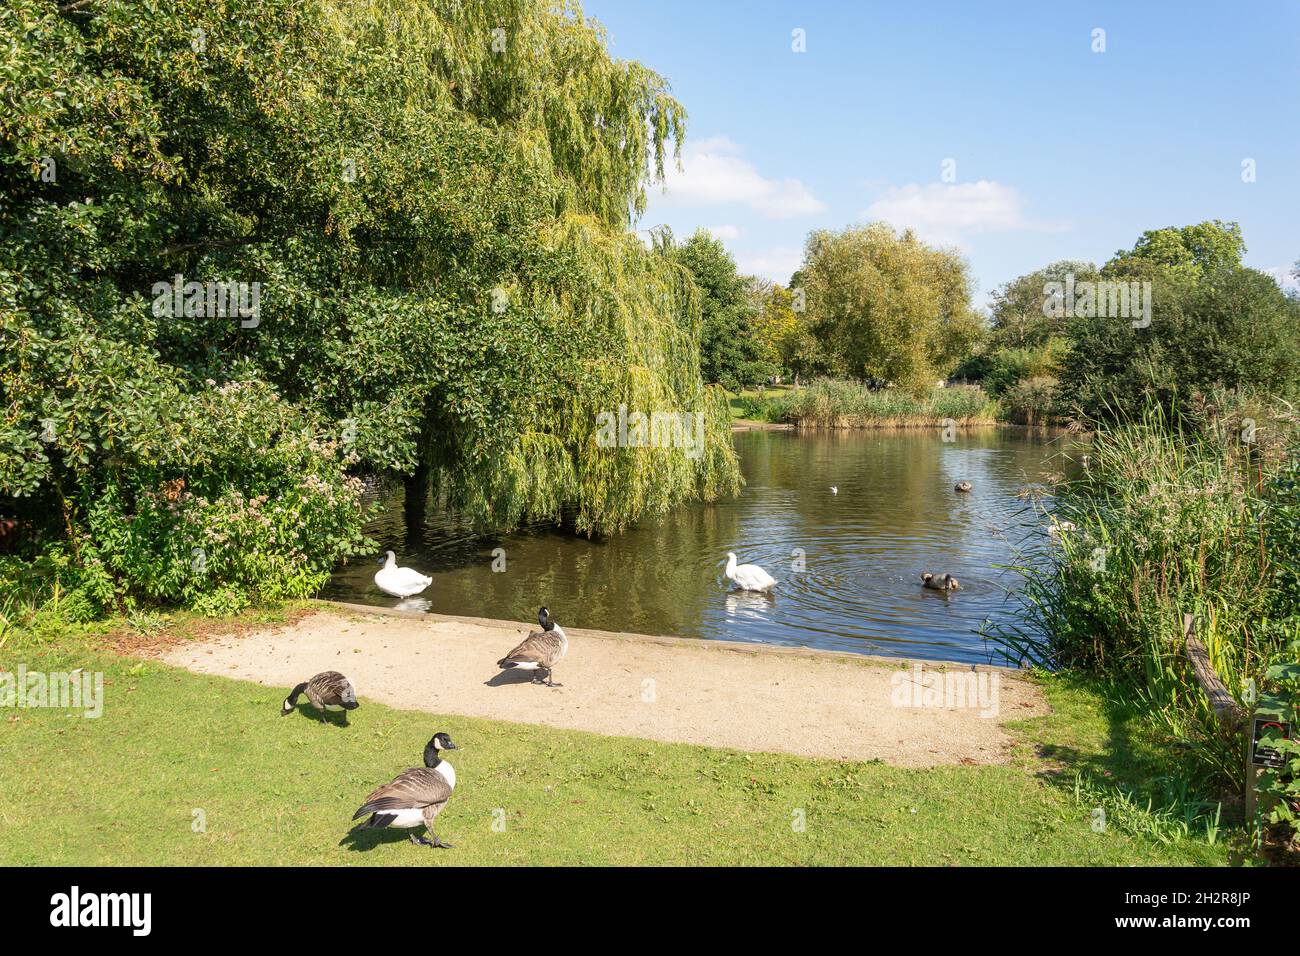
pixel 399 582
pixel 416 796
pixel 328 690
pixel 748 577
pixel 540 651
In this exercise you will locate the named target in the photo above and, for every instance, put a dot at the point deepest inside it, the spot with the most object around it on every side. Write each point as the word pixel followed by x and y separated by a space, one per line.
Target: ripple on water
pixel 849 565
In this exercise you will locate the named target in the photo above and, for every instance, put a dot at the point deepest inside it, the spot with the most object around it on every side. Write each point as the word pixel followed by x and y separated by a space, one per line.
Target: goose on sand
pixel 328 690
pixel 400 582
pixel 749 577
pixel 416 796
pixel 540 650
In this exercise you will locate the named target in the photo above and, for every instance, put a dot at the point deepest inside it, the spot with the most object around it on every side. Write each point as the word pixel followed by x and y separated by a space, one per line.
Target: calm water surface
pixel 848 565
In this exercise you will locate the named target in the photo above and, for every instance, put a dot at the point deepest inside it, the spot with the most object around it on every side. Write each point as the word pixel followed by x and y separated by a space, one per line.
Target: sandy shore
pixel 740 696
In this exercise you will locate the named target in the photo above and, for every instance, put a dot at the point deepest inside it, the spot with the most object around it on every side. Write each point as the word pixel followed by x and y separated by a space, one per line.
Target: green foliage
pixel 1193 252
pixel 1032 401
pixel 1232 329
pixel 439 230
pixel 1280 786
pixel 1008 366
pixel 731 351
pixel 887 306
pixel 1167 521
pixel 784 331
pixel 1019 317
pixel 828 403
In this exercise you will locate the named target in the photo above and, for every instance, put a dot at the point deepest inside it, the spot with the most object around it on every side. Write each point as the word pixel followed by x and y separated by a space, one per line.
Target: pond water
pixel 848 564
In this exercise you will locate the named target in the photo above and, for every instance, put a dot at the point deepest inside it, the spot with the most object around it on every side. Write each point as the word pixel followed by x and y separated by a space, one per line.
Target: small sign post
pixel 1261 754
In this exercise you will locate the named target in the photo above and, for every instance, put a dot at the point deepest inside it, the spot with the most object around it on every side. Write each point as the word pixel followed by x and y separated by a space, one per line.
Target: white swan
pixel 835 489
pixel 749 577
pixel 1056 527
pixel 400 582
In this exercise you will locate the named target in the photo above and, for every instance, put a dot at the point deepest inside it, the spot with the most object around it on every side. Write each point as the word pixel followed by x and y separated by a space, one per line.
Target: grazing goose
pixel 749 577
pixel 400 582
pixel 416 796
pixel 937 582
pixel 963 486
pixel 541 650
pixel 328 690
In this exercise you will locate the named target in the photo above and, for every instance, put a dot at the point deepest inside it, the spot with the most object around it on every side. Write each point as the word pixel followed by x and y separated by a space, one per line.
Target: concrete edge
pixel 737 647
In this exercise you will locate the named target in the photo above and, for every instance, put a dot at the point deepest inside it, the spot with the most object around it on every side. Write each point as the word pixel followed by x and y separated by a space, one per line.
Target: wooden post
pixel 1229 712
pixel 1222 702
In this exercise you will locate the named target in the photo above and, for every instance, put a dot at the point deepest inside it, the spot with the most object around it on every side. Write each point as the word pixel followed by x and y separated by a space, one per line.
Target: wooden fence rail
pixel 1232 716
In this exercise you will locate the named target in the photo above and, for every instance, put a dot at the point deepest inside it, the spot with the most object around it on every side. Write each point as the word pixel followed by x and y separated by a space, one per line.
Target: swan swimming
pixel 400 582
pixel 749 577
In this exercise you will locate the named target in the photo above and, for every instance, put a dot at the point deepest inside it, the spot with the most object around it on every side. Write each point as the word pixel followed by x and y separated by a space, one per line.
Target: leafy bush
pixel 1033 401
pixel 1231 329
pixel 1280 786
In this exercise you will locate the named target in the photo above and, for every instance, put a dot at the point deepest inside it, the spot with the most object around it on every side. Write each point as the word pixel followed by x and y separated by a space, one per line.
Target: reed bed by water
pixel 830 403
pixel 1170 519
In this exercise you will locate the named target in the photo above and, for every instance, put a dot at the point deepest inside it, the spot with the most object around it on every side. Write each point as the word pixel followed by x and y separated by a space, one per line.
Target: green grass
pixel 122 789
pixel 744 402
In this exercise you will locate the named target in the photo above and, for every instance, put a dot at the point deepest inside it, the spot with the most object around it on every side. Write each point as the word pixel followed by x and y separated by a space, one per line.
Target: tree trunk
pixel 417 496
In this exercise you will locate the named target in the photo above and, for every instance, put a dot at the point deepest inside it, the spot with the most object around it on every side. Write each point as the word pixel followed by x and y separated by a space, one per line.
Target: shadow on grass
pixel 321 717
pixel 1134 757
pixel 362 839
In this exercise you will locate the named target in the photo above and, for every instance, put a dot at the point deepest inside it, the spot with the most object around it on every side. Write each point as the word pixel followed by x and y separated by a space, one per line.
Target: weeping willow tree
pixel 433 200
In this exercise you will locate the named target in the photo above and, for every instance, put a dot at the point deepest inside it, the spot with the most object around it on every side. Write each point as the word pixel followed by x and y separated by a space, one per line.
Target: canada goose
pixel 749 577
pixel 416 796
pixel 937 582
pixel 399 582
pixel 963 486
pixel 540 650
pixel 328 690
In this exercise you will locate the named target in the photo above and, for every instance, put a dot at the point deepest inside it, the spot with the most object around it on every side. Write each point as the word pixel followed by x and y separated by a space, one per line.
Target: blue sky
pixel 1059 152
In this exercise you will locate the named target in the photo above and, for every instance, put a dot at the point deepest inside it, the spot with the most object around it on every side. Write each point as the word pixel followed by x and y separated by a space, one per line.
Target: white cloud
pixel 1284 277
pixel 777 263
pixel 724 232
pixel 714 173
pixel 947 212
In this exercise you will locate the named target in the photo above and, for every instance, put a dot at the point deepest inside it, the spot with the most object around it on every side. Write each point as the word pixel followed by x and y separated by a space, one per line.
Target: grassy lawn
pixel 735 399
pixel 124 788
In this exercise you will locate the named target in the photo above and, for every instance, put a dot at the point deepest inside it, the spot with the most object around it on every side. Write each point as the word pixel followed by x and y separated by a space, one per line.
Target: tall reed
pixel 1169 518
pixel 832 403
